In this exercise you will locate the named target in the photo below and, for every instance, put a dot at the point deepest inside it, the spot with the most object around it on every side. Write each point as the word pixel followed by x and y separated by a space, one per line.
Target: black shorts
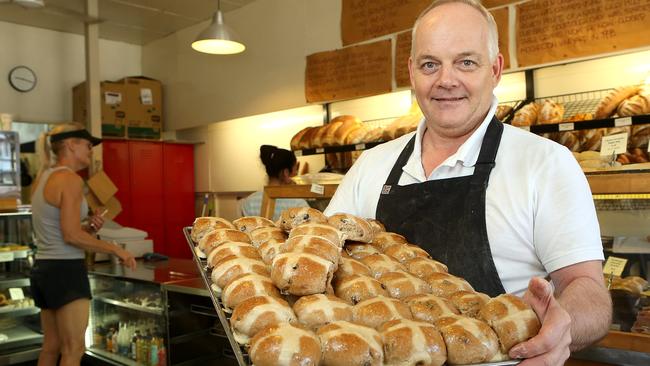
pixel 56 282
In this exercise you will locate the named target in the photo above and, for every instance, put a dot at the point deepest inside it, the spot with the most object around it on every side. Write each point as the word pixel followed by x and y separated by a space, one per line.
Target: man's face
pixel 450 69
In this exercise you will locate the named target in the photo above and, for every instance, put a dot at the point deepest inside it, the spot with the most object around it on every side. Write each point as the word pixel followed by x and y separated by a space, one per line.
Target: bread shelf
pixel 620 182
pixel 337 149
pixel 590 124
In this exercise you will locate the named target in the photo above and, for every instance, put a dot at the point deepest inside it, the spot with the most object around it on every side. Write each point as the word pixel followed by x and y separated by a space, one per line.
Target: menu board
pixel 402 54
pixel 501 18
pixel 350 72
pixel 549 31
pixel 362 20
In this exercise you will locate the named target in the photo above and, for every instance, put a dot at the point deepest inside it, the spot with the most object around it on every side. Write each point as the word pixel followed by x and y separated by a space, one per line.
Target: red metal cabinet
pixel 116 166
pixel 178 192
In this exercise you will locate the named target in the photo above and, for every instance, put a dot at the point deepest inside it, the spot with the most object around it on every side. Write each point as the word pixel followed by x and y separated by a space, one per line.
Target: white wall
pixel 267 77
pixel 59 62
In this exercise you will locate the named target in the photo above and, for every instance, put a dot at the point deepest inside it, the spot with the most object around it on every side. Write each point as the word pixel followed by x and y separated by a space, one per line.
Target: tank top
pixel 46 221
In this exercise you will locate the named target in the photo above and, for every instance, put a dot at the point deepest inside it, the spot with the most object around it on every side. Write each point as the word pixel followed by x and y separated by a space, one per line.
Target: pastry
pixel 217 237
pixel 302 273
pixel 296 216
pixel 232 267
pixel 232 248
pixel 354 228
pixel 511 318
pixel 378 310
pixel 249 223
pixel 348 344
pixel 359 250
pixel 315 245
pixel 323 230
pixel 262 234
pixel 381 263
pixel 423 267
pixel 401 284
pixel 404 252
pixel 469 303
pixel 314 311
pixel 254 314
pixel 356 288
pixel 468 340
pixel 383 240
pixel 445 285
pixel 410 342
pixel 285 344
pixel 246 286
pixel 203 225
pixel 428 308
pixel 349 267
pixel 269 249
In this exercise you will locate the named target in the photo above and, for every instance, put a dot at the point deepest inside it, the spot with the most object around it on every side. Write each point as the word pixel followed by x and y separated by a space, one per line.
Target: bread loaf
pixel 348 124
pixel 372 134
pixel 640 136
pixel 579 117
pixel 381 263
pixel 511 318
pixel 232 248
pixel 296 216
pixel 424 267
pixel 295 140
pixel 355 228
pixel 591 139
pixel 428 308
pixel 401 284
pixel 358 250
pixel 329 135
pixel 468 340
pixel 526 116
pixel 356 134
pixel 230 268
pixel 318 136
pixel 445 285
pixel 256 313
pixel 610 102
pixel 409 342
pixel 314 311
pixel 469 303
pixel 356 288
pixel 285 344
pixel 302 273
pixel 551 112
pixel 269 249
pixel 633 106
pixel 307 138
pixel 403 252
pixel 502 111
pixel 246 286
pixel 323 230
pixel 348 344
pixel 384 240
pixel 378 310
pixel 249 223
pixel 570 139
pixel 262 234
pixel 203 225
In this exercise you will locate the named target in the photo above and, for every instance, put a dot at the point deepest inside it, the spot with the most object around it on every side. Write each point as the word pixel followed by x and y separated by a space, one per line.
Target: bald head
pixel 492 32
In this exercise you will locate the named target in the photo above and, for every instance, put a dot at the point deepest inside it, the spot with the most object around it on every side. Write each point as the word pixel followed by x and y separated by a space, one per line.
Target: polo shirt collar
pixel 467 153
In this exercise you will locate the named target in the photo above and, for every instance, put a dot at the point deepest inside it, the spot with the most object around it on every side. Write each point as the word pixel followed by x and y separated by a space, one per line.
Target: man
pixel 496 204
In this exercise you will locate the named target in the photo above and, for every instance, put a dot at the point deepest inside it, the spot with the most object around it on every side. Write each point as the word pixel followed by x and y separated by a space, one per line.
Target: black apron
pixel 446 217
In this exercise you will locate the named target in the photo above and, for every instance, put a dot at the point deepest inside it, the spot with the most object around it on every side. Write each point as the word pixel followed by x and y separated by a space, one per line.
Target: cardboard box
pixel 101 195
pixel 114 107
pixel 144 106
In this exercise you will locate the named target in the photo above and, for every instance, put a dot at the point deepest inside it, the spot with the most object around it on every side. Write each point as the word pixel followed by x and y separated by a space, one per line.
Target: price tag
pixel 525 128
pixel 6 256
pixel 358 147
pixel 298 152
pixel 614 265
pixel 623 121
pixel 16 293
pixel 566 126
pixel 317 188
pixel 613 144
pixel 320 150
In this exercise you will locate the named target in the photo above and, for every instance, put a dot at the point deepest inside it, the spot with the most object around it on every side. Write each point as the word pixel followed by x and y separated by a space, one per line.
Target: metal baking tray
pixel 240 352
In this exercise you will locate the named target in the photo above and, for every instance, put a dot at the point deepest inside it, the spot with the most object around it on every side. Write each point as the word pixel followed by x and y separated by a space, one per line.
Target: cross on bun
pixel 296 216
pixel 428 308
pixel 238 249
pixel 468 340
pixel 262 234
pixel 401 284
pixel 232 267
pixel 323 230
pixel 381 263
pixel 247 286
pixel 217 237
pixel 285 344
pixel 357 288
pixel 315 245
pixel 355 228
pixel 269 249
pixel 386 239
pixel 358 250
pixel 349 267
pixel 410 342
pixel 203 225
pixel 423 267
pixel 348 344
pixel 302 273
pixel 314 311
pixel 445 285
pixel 256 313
pixel 512 319
pixel 469 303
pixel 378 310
pixel 249 223
pixel 404 252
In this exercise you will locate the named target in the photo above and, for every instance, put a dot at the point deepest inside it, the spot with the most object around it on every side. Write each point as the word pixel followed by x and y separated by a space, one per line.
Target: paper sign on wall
pixel 112 98
pixel 613 144
pixel 614 266
pixel 146 97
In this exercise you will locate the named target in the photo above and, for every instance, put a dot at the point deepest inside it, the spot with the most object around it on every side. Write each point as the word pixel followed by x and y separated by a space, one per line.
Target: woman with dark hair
pixel 280 165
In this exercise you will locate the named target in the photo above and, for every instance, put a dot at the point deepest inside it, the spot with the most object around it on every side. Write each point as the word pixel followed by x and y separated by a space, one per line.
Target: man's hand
pixel 551 345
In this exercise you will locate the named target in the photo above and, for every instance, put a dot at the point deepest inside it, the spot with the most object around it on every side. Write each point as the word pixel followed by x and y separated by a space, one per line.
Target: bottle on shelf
pixel 134 344
pixel 114 341
pixel 109 340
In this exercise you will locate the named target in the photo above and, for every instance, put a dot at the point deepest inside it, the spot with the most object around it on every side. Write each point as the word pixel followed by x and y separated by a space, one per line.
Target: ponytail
pixel 276 160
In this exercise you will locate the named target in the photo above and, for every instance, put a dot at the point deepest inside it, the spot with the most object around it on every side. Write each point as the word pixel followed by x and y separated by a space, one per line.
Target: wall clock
pixel 22 78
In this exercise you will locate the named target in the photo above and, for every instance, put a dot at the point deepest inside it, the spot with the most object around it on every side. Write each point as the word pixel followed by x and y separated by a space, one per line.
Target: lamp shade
pixel 218 38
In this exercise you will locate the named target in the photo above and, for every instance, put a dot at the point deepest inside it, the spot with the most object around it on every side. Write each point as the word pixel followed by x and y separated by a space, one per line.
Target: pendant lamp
pixel 218 38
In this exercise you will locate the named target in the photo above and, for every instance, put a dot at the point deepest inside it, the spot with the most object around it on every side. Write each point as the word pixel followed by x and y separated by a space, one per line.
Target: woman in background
pixel 280 166
pixel 59 281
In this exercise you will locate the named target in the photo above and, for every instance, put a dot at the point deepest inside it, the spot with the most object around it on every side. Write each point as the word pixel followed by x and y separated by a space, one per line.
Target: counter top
pixel 194 286
pixel 160 272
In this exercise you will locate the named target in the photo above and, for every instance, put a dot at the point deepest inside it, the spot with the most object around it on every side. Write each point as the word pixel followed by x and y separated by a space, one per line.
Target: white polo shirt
pixel 539 211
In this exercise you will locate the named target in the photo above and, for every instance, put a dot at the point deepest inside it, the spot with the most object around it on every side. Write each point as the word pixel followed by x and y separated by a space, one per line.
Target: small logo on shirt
pixel 386 189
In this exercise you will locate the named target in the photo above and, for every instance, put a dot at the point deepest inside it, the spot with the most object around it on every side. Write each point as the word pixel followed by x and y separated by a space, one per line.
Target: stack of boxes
pixel 131 107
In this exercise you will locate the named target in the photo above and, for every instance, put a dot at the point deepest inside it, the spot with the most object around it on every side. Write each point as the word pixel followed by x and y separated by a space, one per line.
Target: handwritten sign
pixel 613 144
pixel 614 265
pixel 350 72
pixel 501 18
pixel 402 54
pixel 549 31
pixel 362 20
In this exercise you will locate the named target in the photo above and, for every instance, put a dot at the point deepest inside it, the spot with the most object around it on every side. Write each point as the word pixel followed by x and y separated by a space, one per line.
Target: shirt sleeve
pixel 566 229
pixel 346 197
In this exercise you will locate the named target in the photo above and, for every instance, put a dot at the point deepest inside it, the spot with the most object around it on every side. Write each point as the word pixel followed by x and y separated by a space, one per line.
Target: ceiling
pixel 131 21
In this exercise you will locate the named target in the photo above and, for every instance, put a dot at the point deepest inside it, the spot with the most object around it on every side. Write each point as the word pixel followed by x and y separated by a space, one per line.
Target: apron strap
pixel 396 172
pixel 487 155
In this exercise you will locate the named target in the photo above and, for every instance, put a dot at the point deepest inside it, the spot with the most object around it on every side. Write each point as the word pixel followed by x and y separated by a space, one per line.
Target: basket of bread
pixel 340 290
